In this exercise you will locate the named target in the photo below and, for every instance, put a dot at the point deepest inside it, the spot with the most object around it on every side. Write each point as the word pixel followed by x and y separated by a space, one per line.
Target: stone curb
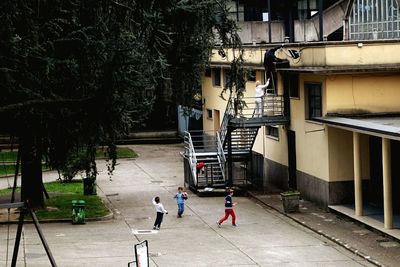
pixel 331 238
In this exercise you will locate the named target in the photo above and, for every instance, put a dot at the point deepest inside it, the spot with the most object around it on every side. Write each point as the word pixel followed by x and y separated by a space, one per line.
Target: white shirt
pixel 159 207
pixel 260 89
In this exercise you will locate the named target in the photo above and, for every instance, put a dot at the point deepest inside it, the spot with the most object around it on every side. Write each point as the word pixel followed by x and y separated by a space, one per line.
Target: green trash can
pixel 78 211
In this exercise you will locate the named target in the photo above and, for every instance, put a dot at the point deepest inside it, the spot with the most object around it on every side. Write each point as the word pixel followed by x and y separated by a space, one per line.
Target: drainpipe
pixel 321 20
pixel 269 22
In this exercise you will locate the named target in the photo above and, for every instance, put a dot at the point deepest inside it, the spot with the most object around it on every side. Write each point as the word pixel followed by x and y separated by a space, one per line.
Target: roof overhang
pixel 350 69
pixel 381 126
pixel 228 65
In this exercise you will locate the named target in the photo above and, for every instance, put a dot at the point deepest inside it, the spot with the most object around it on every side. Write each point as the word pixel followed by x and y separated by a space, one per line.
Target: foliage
pixel 75 74
pixel 11 156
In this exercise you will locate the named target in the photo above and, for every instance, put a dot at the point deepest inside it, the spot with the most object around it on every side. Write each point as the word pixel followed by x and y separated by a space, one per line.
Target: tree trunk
pixel 31 170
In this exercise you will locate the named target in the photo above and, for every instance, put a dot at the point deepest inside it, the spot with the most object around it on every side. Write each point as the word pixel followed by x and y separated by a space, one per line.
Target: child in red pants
pixel 228 209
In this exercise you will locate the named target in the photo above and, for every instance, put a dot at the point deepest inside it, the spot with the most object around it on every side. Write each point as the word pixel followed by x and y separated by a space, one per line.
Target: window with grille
pixel 314 100
pixel 374 19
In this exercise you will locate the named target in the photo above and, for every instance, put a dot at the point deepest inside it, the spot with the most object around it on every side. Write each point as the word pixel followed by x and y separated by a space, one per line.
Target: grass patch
pixel 122 152
pixel 59 205
pixel 8 191
pixel 11 156
pixel 9 169
pixel 8 156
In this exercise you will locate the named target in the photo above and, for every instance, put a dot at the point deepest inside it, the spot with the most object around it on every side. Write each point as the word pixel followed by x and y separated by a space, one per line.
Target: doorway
pixel 291 135
pixel 375 190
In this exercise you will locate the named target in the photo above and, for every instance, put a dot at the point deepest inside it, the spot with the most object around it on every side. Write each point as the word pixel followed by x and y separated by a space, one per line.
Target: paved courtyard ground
pixel 264 237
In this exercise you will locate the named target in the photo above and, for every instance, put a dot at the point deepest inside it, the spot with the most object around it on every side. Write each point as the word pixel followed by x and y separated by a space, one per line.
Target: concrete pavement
pixel 264 236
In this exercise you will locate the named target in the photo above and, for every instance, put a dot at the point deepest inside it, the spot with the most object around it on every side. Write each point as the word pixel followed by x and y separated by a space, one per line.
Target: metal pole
pixel 18 237
pixel 16 176
pixel 39 230
pixel 230 162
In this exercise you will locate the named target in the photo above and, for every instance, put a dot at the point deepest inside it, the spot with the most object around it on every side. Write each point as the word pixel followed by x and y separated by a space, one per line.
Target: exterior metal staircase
pixel 204 147
pixel 232 143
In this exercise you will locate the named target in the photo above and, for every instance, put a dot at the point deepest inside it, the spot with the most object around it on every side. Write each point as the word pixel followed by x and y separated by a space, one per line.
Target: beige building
pixel 340 146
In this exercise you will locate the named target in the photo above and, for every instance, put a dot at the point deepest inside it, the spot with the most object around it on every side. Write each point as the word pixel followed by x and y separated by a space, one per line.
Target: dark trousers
pixel 159 218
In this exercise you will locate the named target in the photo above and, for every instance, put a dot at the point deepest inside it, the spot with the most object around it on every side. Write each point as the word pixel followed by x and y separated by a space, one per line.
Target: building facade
pixel 341 147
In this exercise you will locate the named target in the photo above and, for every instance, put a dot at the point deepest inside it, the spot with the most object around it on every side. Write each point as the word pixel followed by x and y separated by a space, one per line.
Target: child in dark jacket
pixel 229 204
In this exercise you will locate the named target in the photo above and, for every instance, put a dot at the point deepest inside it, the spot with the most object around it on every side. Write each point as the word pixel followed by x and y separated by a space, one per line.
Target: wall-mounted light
pixel 198 98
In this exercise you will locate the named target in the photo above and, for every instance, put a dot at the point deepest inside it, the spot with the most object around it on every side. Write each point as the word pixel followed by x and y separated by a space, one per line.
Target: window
pixel 216 76
pixel 207 72
pixel 209 114
pixel 371 20
pixel 251 75
pixel 226 76
pixel 272 131
pixel 314 100
pixel 306 9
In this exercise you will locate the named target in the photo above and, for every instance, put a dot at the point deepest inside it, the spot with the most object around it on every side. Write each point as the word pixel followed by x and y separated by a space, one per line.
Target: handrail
pixel 271 105
pixel 221 155
pixel 229 113
pixel 191 155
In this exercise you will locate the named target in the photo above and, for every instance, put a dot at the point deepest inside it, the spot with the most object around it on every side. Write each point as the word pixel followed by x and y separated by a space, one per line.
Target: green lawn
pixel 59 205
pixel 10 169
pixel 11 156
pixel 8 156
pixel 7 170
pixel 122 152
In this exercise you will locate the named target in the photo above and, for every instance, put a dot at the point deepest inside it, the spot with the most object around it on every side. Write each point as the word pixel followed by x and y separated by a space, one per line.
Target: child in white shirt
pixel 160 212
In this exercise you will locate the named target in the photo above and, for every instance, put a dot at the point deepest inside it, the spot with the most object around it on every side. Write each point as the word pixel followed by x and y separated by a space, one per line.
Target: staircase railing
pixel 221 155
pixel 229 113
pixel 190 154
pixel 271 105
